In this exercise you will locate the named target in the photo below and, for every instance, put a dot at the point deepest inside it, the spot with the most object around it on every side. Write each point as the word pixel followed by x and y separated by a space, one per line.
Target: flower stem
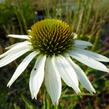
pixel 55 107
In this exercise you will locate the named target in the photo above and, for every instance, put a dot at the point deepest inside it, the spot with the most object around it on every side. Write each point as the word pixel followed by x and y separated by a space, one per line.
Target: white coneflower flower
pixel 52 43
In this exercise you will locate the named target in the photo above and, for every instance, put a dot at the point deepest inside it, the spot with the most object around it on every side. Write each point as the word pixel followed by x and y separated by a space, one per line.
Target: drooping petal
pixel 18 36
pixel 89 61
pixel 52 80
pixel 9 47
pixel 13 55
pixel 82 77
pixel 67 73
pixel 37 76
pixel 80 43
pixel 23 65
pixel 16 47
pixel 93 55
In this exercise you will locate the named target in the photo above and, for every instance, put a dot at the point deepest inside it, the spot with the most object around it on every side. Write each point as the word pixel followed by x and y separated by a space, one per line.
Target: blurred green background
pixel 88 18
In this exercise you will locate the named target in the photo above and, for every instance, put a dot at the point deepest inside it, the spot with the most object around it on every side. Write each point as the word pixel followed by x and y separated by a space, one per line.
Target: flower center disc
pixel 51 37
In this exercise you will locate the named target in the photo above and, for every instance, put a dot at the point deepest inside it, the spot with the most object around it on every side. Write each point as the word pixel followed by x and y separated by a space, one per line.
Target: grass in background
pixel 87 18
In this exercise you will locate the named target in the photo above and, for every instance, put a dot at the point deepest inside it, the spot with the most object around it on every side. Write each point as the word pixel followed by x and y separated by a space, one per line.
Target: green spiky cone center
pixel 51 37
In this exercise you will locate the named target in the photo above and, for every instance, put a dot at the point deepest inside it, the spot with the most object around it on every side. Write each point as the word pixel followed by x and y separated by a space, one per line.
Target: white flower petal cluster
pixel 51 69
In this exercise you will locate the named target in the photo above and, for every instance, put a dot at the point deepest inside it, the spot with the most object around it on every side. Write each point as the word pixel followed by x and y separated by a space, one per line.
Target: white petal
pixel 74 35
pixel 29 31
pixel 93 55
pixel 19 43
pixel 9 47
pixel 18 36
pixel 89 61
pixel 52 81
pixel 67 73
pixel 13 55
pixel 37 76
pixel 80 43
pixel 23 65
pixel 82 77
pixel 16 47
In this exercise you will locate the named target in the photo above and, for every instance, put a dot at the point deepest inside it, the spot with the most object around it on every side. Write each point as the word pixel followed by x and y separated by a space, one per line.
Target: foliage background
pixel 88 18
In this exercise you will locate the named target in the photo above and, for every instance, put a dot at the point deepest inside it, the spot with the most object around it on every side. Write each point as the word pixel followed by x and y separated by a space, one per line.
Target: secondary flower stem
pixel 96 41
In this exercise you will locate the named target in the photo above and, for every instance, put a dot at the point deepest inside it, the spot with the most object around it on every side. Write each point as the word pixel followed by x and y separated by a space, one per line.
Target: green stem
pixel 87 16
pixel 48 8
pixel 20 13
pixel 96 40
pixel 80 20
pixel 105 52
pixel 19 21
pixel 80 94
pixel 55 107
pixel 46 101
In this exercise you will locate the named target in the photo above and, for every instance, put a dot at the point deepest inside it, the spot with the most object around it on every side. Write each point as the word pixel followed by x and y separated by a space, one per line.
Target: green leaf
pixel 16 106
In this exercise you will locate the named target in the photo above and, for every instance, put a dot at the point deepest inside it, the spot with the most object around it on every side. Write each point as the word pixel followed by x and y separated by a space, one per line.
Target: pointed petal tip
pixel 1 56
pixel 55 103
pixel 93 91
pixel 77 91
pixel 18 36
pixel 107 70
pixel 9 35
pixel 35 97
pixel 8 85
pixel 32 97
